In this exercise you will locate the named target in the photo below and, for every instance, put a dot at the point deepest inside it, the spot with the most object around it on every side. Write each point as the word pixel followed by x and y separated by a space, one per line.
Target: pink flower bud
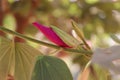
pixel 51 35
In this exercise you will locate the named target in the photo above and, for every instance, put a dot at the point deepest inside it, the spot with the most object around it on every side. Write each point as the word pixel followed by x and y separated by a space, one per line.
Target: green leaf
pixel 25 59
pixel 51 68
pixel 5 58
pixel 69 40
pixel 16 59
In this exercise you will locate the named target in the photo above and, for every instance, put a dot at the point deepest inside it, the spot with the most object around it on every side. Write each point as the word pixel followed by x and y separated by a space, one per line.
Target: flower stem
pixel 43 43
pixel 28 38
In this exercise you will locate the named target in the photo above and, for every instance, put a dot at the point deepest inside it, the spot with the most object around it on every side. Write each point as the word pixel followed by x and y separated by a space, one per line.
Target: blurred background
pixel 97 19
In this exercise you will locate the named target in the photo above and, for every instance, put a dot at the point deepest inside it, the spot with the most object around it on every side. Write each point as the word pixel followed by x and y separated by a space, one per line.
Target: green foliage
pixel 16 59
pixel 51 68
pixel 97 17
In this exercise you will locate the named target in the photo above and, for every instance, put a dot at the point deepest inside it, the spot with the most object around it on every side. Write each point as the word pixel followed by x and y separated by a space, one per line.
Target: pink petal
pixel 50 34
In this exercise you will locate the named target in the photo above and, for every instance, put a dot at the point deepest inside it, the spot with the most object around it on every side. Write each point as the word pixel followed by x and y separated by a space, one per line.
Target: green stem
pixel 28 38
pixel 42 43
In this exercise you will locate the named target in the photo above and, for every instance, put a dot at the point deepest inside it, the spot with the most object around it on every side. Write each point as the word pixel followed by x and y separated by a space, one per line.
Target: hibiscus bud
pixel 51 35
pixel 68 39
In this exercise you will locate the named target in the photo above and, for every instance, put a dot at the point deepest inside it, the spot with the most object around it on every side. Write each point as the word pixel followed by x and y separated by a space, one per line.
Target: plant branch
pixel 43 43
